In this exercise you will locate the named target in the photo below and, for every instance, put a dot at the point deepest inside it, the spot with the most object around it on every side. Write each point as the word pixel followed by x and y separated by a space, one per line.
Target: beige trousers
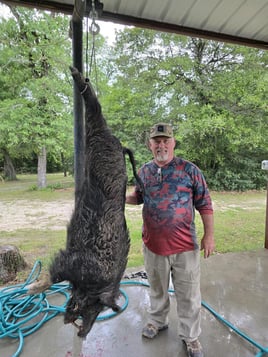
pixel 184 271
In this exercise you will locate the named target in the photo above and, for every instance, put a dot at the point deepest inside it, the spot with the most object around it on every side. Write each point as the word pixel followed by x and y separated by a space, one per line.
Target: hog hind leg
pixel 94 118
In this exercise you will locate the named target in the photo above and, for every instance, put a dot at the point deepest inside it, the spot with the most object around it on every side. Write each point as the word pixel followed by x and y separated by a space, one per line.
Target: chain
pixel 94 29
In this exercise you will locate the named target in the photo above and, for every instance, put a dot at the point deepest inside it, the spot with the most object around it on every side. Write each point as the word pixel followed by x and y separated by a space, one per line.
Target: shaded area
pixel 233 284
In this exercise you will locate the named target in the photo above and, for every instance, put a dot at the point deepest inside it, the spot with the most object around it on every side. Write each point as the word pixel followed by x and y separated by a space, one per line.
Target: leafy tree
pixel 214 94
pixel 35 86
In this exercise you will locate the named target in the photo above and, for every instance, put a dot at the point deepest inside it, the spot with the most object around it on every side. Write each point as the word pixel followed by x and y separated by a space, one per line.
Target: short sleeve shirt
pixel 171 195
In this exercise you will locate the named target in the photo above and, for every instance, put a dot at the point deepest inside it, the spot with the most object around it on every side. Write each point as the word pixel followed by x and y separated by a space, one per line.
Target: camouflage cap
pixel 161 129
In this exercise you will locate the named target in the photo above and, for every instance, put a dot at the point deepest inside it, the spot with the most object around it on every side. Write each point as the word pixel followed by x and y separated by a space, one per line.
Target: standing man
pixel 173 189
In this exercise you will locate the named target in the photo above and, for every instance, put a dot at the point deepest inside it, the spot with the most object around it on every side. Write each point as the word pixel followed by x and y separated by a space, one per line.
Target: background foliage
pixel 214 94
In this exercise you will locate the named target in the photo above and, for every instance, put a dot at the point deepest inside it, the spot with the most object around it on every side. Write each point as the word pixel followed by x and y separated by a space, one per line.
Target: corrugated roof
pixel 236 21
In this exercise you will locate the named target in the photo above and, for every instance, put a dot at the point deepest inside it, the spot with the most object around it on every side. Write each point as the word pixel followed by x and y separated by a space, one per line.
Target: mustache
pixel 161 151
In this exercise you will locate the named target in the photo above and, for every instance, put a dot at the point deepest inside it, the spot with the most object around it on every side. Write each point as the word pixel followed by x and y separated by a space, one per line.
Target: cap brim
pixel 160 134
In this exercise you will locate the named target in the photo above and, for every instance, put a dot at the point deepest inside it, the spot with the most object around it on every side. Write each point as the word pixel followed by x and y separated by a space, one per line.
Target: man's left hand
pixel 208 245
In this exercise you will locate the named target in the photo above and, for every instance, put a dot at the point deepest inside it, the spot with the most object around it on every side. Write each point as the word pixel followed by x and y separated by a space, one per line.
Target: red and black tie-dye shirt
pixel 172 193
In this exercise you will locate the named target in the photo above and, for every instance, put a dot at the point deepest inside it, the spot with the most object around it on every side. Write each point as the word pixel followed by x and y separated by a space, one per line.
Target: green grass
pixel 26 188
pixel 239 220
pixel 239 230
pixel 34 245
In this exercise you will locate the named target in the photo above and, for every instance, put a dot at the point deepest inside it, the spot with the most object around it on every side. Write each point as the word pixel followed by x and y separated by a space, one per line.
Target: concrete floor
pixel 235 285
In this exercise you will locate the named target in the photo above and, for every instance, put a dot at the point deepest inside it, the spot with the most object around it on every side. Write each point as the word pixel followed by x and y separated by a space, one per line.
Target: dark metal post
pixel 77 42
pixel 264 166
pixel 266 224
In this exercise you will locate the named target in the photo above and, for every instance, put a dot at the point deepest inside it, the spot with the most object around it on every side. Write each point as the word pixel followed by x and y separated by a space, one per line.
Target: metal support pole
pixel 266 224
pixel 79 140
pixel 264 166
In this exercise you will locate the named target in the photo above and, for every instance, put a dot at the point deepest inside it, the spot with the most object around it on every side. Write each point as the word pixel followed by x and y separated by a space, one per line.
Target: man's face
pixel 162 149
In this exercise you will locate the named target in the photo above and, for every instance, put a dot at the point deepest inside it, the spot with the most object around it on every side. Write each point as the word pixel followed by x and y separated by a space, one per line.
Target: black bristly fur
pixel 97 245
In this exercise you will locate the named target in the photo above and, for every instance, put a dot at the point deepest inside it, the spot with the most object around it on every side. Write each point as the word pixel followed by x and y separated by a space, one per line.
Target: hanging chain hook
pixel 94 28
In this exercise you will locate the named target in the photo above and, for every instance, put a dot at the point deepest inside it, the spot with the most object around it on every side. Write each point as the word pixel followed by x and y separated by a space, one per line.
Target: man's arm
pixel 207 242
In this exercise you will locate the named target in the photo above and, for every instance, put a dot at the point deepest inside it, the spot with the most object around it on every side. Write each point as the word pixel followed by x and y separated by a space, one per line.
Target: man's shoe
pixel 150 330
pixel 194 348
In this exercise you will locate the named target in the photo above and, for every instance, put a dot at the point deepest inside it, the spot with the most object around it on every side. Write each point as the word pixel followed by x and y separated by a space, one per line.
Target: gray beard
pixel 162 157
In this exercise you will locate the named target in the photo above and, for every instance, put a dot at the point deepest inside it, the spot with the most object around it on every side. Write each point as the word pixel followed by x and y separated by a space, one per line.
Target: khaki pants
pixel 184 271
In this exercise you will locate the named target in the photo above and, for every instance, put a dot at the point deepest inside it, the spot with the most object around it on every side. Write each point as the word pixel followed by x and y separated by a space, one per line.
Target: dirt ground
pixel 26 214
pixel 23 214
pixel 54 215
pixel 47 216
pixel 40 216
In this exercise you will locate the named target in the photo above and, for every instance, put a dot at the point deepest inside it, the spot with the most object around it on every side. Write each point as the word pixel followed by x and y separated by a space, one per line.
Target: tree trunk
pixel 9 169
pixel 64 165
pixel 42 168
pixel 11 262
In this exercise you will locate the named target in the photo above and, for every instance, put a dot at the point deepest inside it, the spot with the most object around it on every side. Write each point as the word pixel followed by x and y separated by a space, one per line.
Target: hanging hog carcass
pixel 97 246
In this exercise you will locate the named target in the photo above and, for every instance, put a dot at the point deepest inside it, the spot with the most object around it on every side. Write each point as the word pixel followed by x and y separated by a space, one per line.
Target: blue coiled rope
pixel 19 311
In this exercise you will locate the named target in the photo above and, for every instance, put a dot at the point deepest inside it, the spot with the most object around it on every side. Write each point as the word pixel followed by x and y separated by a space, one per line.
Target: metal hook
pixel 94 28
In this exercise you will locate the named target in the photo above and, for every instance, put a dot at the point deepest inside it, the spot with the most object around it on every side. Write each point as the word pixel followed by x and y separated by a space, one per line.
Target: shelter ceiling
pixel 243 22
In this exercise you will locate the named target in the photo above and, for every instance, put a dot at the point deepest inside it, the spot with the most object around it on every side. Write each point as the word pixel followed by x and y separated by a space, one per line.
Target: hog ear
pixel 88 318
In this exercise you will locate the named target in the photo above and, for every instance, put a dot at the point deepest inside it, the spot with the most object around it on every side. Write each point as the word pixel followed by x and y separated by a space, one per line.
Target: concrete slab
pixel 235 285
